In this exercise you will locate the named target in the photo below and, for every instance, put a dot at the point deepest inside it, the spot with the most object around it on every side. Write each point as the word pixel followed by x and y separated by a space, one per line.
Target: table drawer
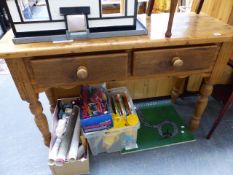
pixel 64 70
pixel 173 60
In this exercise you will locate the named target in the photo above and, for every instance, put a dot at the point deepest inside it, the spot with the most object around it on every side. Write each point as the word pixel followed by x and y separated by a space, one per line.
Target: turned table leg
pixel 28 93
pixel 40 119
pixel 175 93
pixel 205 92
pixel 52 101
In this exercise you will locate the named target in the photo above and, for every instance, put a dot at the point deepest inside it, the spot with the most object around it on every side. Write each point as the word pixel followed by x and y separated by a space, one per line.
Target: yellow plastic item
pixel 132 120
pixel 115 115
pixel 109 140
pixel 118 121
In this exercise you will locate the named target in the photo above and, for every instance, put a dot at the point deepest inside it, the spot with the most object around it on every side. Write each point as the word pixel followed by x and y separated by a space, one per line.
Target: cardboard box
pixel 69 168
pixel 74 168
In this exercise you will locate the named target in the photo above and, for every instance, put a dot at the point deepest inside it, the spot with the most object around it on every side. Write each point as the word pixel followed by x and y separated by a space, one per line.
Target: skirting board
pixel 140 30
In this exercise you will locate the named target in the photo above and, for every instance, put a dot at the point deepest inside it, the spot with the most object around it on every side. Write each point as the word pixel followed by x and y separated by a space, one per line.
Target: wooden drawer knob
pixel 82 73
pixel 177 62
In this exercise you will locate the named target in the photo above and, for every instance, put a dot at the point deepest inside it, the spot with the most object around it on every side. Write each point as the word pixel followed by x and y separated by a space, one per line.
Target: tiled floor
pixel 22 151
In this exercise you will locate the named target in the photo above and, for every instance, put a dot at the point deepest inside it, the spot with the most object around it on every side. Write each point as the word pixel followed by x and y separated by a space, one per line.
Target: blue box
pixel 97 123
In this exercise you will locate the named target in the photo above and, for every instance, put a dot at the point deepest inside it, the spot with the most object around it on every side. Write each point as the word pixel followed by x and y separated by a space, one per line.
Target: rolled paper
pixel 81 151
pixel 66 140
pixel 53 152
pixel 60 129
pixel 76 23
pixel 72 155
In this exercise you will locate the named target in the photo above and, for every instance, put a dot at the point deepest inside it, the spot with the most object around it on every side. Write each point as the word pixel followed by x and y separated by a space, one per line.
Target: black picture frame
pixel 4 23
pixel 58 32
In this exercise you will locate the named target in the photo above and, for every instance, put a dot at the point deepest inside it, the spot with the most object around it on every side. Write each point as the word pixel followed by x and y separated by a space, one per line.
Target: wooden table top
pixel 187 29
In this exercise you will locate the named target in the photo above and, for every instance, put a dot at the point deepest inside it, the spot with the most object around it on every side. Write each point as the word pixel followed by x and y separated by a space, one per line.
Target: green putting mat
pixel 152 114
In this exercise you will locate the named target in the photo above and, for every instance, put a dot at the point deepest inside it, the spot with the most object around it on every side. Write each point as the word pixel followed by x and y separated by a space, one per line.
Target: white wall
pixel 40 26
pixel 111 22
pixel 13 10
pixel 56 4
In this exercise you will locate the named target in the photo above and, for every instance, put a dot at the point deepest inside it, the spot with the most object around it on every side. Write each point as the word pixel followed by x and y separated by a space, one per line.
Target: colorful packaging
pixel 95 109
